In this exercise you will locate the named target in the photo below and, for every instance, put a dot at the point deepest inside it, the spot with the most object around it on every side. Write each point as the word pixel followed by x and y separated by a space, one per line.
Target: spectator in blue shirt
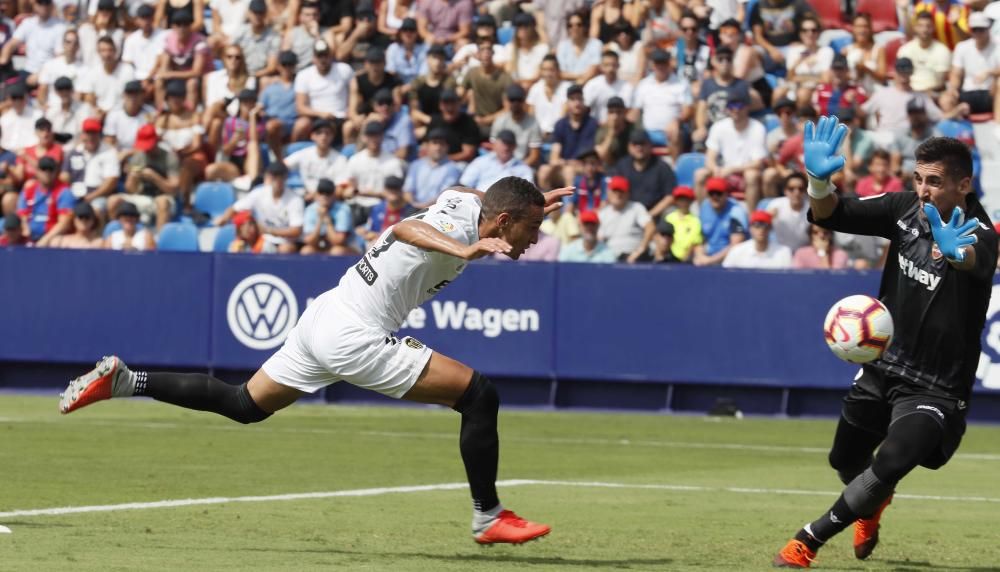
pixel 573 134
pixel 398 137
pixel 501 162
pixel 327 225
pixel 278 102
pixel 431 174
pixel 406 56
pixel 391 210
pixel 724 223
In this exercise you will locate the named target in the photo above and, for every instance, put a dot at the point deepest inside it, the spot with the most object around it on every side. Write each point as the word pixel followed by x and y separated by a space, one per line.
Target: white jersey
pixel 393 277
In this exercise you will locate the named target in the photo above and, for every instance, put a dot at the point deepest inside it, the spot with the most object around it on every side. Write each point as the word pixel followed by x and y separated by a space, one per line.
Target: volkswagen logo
pixel 261 311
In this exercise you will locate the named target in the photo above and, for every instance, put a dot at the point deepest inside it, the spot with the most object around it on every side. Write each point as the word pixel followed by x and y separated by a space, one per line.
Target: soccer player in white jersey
pixel 347 334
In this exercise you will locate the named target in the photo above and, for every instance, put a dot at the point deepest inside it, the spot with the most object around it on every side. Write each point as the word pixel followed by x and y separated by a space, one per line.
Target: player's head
pixel 943 175
pixel 516 207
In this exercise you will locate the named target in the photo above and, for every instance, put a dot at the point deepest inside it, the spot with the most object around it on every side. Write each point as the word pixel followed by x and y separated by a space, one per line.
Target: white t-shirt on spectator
pixel 888 108
pixel 108 88
pixel 287 211
pixel 597 91
pixel 802 63
pixel 329 92
pixel 547 111
pixel 973 62
pixel 42 41
pixel 745 255
pixel 623 230
pixel 661 102
pixel 930 65
pixel 312 167
pixel 123 126
pixel 737 147
pixel 71 120
pixel 369 172
pixel 789 226
pixel 57 68
pixel 528 61
pixel 217 89
pixel 96 167
pixel 232 13
pixel 18 130
pixel 89 35
pixel 142 52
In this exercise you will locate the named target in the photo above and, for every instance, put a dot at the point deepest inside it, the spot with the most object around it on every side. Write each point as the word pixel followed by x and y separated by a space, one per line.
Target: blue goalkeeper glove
pixel 952 238
pixel 821 145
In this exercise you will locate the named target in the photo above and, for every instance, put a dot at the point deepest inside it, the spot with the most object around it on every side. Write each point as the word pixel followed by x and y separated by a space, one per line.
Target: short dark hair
pixel 512 195
pixel 551 58
pixel 797 175
pixel 925 16
pixel 106 40
pixel 881 154
pixel 955 155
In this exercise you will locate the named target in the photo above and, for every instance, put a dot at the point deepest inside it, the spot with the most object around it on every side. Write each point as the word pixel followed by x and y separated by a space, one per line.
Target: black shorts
pixel 980 101
pixel 877 400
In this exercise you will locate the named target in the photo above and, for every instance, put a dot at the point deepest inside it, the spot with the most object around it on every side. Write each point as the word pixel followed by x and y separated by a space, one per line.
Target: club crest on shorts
pixel 936 252
pixel 413 343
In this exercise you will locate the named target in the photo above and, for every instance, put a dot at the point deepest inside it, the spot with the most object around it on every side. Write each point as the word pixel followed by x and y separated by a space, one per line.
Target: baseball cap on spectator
pixel 618 183
pixel 761 217
pixel 904 65
pixel 374 128
pixel 17 91
pixel 682 192
pixel 63 83
pixel 978 21
pixel 409 24
pixel 613 103
pixel 716 185
pixel 242 217
pixel 277 169
pixel 146 138
pixel 126 208
pixel 660 56
pixel 665 228
pixel 575 89
pixel 288 58
pixel 438 50
pixel 375 54
pixel 507 136
pixel 43 124
pixel 248 95
pixel 639 137
pixel 449 95
pixel 587 153
pixel 393 182
pixel 383 95
pixel 737 99
pixel 916 105
pixel 83 209
pixel 784 103
pixel 365 10
pixel 524 19
pixel 589 217
pixel 11 222
pixel 133 86
pixel 145 11
pixel 47 163
pixel 181 18
pixel 486 20
pixel 515 92
pixel 91 125
pixel 325 187
pixel 106 5
pixel 321 47
pixel 437 134
pixel 258 6
pixel 839 62
pixel 177 88
pixel 318 124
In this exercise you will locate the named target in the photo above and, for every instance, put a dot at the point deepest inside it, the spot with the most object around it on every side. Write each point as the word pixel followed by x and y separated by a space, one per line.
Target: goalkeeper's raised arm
pixel 821 146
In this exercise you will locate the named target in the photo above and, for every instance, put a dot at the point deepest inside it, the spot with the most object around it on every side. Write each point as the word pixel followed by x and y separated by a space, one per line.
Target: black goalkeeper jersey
pixel 938 311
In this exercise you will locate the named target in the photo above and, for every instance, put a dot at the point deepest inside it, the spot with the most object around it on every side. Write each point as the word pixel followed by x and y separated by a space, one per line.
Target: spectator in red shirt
pixel 880 179
pixel 27 160
pixel 13 234
pixel 830 97
pixel 46 204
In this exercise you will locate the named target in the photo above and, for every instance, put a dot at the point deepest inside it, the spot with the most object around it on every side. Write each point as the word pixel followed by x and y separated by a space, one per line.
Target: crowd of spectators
pixel 333 120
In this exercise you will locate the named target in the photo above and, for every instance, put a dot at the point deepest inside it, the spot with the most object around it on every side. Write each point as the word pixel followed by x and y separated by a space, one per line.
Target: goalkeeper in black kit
pixel 911 403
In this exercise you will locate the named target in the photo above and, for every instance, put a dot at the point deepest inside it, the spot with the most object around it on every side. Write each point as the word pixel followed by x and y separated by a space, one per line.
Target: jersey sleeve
pixel 986 252
pixel 871 216
pixel 456 214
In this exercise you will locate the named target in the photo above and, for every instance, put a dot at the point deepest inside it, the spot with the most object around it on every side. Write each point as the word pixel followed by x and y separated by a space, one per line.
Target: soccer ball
pixel 858 329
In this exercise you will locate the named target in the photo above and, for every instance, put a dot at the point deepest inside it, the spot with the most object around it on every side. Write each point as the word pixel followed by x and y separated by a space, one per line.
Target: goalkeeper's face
pixel 934 185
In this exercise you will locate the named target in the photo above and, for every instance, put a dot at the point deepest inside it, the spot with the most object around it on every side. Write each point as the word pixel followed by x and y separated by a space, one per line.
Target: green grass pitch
pixel 649 492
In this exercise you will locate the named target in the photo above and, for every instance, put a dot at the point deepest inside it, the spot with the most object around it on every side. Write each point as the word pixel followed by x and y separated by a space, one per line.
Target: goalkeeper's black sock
pixel 202 393
pixel 479 442
pixel 817 532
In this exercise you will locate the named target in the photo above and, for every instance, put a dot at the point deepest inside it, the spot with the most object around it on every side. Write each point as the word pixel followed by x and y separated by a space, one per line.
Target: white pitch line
pixel 449 487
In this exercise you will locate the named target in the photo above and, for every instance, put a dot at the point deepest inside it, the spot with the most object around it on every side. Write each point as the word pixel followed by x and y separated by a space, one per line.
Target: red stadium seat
pixel 882 12
pixel 890 53
pixel 829 13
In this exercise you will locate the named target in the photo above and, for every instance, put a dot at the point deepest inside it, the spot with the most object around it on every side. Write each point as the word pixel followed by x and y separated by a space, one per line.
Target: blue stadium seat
pixel 686 166
pixel 957 128
pixel 178 237
pixel 225 236
pixel 505 34
pixel 213 198
pixel 294 180
pixel 111 227
pixel 297 146
pixel 349 150
pixel 771 122
pixel 839 44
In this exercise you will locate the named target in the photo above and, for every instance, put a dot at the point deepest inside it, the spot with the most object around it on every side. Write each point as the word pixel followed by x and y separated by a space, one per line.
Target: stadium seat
pixel 958 129
pixel 505 34
pixel 294 180
pixel 829 12
pixel 883 14
pixel 297 146
pixel 891 49
pixel 686 166
pixel 223 238
pixel 840 44
pixel 349 150
pixel 213 198
pixel 111 227
pixel 771 122
pixel 178 237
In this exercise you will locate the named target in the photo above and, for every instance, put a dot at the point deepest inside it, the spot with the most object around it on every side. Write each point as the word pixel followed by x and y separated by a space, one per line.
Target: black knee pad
pixel 480 397
pixel 245 410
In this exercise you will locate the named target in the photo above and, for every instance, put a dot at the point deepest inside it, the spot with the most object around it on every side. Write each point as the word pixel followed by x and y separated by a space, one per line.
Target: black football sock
pixel 817 532
pixel 479 443
pixel 202 393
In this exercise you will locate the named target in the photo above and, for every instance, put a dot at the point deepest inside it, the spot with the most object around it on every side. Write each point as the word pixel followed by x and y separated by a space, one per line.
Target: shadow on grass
pixel 911 566
pixel 487 555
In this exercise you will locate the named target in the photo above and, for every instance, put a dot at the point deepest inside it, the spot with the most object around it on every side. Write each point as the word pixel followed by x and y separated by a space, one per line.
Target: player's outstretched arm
pixel 426 237
pixel 821 146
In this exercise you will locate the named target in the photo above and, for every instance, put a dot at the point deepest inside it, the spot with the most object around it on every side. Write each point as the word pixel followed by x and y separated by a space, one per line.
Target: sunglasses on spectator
pixel 796 188
pixel 716 194
pixel 820 232
pixel 759 225
pixel 234 57
pixel 84 217
pixel 723 59
pixel 689 29
pixel 47 169
pixel 980 29
pixel 574 25
pixel 809 30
